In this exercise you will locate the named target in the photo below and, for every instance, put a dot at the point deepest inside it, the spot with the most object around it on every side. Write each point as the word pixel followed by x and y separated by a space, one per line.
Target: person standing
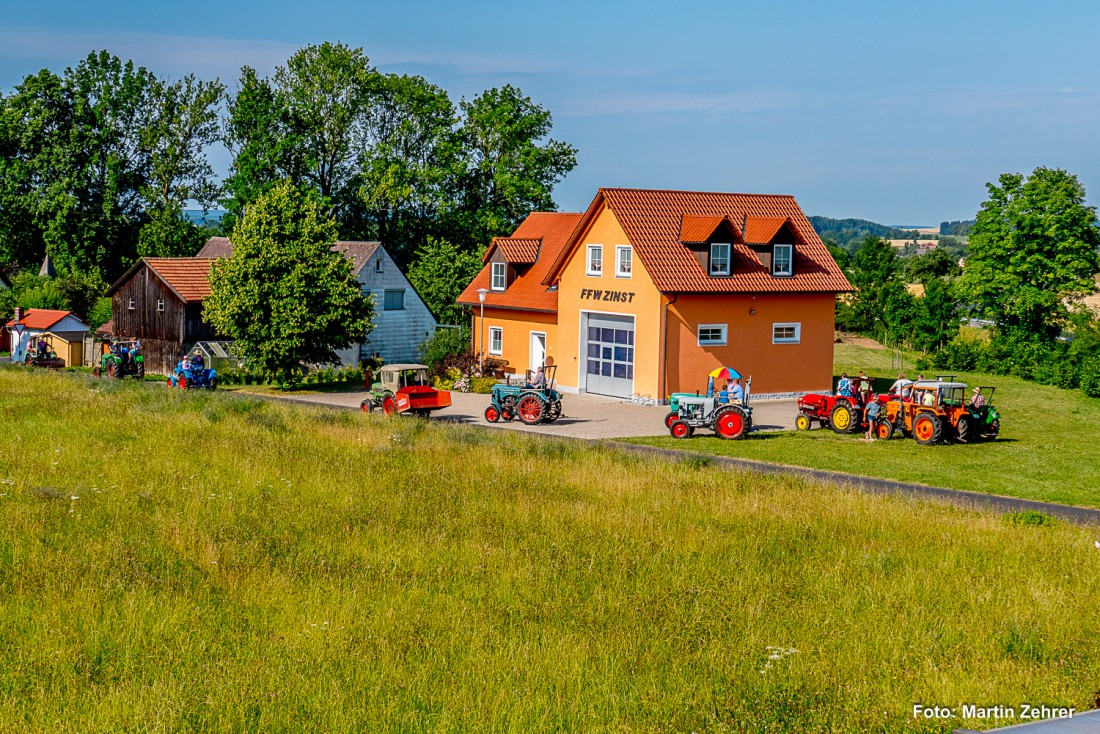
pixel 874 409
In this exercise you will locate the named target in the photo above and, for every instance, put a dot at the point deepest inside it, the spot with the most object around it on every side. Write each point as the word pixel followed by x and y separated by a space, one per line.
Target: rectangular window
pixel 720 258
pixel 394 301
pixel 496 341
pixel 378 265
pixel 595 260
pixel 781 261
pixel 624 261
pixel 786 333
pixel 131 306
pixel 499 279
pixel 160 304
pixel 712 335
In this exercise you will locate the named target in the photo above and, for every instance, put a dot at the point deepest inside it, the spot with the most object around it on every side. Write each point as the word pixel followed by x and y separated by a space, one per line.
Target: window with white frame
pixel 781 260
pixel 624 261
pixel 786 333
pixel 499 280
pixel 160 304
pixel 595 260
pixel 712 335
pixel 496 340
pixel 720 258
pixel 131 306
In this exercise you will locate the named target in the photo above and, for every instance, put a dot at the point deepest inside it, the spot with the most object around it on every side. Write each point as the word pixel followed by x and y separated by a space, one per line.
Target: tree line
pixel 1033 255
pixel 98 162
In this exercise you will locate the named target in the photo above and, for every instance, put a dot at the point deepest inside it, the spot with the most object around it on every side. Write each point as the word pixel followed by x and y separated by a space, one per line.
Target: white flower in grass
pixel 73 497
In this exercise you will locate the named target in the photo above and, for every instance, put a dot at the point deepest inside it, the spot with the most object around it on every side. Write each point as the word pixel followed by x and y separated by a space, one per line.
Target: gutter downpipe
pixel 664 349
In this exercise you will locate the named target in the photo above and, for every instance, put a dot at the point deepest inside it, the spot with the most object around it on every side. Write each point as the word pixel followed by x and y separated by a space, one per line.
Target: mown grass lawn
pixel 1048 448
pixel 204 562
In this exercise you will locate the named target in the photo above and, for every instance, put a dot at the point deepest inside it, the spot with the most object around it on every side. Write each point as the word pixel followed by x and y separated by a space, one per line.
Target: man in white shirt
pixel 900 384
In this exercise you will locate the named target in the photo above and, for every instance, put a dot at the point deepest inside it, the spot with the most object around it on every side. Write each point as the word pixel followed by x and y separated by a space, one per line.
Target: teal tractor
pixel 726 413
pixel 534 402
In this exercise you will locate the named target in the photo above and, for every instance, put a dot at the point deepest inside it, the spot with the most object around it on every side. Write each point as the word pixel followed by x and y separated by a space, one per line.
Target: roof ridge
pixel 693 191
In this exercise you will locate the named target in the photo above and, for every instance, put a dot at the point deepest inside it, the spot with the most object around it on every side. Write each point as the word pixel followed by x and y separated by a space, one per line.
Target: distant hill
pixel 848 233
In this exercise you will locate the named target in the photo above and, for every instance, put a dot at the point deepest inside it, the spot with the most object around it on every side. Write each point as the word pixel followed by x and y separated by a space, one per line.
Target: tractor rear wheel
pixel 679 429
pixel 492 414
pixel 139 371
pixel 389 405
pixel 182 382
pixel 530 409
pixel 927 429
pixel 553 411
pixel 802 422
pixel 112 370
pixel 670 418
pixel 730 424
pixel 884 430
pixel 993 429
pixel 844 418
pixel 966 430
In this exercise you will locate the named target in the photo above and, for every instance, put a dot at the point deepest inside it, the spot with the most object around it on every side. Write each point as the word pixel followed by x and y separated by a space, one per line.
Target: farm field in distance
pixel 209 562
pixel 1047 449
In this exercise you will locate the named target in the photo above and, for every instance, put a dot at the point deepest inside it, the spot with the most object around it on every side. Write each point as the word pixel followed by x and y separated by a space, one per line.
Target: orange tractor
pixel 935 411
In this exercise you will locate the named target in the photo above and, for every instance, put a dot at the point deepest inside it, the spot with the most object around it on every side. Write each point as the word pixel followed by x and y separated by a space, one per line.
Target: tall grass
pixel 202 562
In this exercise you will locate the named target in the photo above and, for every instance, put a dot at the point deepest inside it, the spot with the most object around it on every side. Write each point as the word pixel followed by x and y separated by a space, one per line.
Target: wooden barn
pixel 159 301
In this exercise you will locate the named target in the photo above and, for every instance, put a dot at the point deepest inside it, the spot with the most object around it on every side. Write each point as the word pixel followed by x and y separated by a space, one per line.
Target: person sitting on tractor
pixel 186 364
pixel 42 348
pixel 928 398
pixel 977 400
pixel 737 393
pixel 198 361
pixel 844 386
pixel 538 382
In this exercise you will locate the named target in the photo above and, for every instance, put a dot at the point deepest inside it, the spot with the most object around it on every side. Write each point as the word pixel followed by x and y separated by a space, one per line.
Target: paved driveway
pixel 583 416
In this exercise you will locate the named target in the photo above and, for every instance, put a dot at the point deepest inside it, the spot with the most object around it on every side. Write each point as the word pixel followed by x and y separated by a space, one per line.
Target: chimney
pixel 18 314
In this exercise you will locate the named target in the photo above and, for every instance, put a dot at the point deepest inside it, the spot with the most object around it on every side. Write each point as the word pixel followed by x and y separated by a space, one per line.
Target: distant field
pixel 206 562
pixel 1048 448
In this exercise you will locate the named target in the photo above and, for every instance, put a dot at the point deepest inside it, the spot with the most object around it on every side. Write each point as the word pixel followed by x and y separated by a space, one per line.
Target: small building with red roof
pixel 647 291
pixel 49 325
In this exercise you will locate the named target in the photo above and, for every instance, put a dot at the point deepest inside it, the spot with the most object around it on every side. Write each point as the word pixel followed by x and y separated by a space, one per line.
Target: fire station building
pixel 647 291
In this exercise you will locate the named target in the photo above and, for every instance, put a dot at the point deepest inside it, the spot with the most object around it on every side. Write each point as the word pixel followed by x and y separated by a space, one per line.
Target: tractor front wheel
pixel 670 418
pixel 884 430
pixel 679 429
pixel 366 406
pixel 112 370
pixel 802 422
pixel 492 414
pixel 927 429
pixel 730 424
pixel 844 418
pixel 966 430
pixel 530 409
pixel 553 411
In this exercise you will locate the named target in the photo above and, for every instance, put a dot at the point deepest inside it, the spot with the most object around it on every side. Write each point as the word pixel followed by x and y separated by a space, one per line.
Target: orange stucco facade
pixel 648 327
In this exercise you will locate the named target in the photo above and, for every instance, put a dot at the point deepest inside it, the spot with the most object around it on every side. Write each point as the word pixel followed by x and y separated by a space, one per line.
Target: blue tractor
pixel 189 373
pixel 536 401
pixel 728 415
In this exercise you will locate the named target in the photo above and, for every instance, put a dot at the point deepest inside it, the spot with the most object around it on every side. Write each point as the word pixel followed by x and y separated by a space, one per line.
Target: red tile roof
pixel 652 220
pixel 358 252
pixel 761 230
pixel 695 229
pixel 189 277
pixel 40 318
pixel 516 250
pixel 527 291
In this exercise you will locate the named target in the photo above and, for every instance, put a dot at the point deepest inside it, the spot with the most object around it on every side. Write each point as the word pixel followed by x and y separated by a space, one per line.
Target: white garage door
pixel 609 355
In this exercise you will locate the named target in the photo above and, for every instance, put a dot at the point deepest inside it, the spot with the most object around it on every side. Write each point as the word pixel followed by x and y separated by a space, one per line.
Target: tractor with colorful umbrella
pixel 726 412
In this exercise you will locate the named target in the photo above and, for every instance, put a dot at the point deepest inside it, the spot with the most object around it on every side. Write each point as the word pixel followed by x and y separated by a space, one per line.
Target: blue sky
pixel 896 112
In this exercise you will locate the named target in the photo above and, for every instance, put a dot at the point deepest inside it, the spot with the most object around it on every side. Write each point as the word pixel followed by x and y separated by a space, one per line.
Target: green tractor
pixel 124 358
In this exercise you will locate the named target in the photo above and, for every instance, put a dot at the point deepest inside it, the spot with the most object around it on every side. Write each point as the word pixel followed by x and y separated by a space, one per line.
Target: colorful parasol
pixel 725 373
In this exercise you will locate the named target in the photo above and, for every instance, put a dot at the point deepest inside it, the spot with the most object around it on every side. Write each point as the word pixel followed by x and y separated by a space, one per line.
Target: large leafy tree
pixel 284 296
pixel 512 165
pixel 439 274
pixel 1033 248
pixel 873 272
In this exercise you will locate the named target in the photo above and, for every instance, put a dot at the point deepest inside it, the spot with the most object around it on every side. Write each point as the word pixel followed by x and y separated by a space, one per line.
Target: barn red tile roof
pixel 695 229
pixel 39 318
pixel 189 277
pixel 760 230
pixel 527 291
pixel 652 220
pixel 358 252
pixel 516 250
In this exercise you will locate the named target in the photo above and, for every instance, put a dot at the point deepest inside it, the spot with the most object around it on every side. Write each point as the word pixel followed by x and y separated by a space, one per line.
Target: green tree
pixel 439 274
pixel 1032 249
pixel 284 296
pixel 937 319
pixel 512 167
pixel 933 265
pixel 874 267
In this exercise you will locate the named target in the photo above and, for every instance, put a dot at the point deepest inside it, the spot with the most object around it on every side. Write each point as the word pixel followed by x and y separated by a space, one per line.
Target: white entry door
pixel 538 350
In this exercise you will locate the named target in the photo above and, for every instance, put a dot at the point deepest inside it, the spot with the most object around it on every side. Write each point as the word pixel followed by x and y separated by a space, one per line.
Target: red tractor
pixel 842 413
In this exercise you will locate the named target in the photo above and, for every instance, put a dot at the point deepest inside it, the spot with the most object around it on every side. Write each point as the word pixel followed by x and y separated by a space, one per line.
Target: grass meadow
pixel 1047 450
pixel 211 563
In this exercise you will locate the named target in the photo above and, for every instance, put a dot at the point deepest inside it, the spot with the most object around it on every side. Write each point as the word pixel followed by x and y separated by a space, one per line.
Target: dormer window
pixel 720 258
pixel 499 281
pixel 781 260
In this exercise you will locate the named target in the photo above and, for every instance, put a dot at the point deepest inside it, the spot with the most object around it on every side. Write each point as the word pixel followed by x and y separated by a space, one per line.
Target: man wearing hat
pixel 977 400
